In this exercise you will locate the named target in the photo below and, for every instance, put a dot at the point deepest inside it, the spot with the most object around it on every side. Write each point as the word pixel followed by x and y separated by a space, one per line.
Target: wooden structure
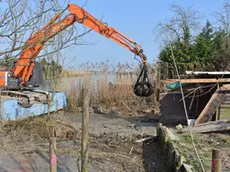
pixel 198 81
pixel 212 105
pixel 213 126
pixel 205 93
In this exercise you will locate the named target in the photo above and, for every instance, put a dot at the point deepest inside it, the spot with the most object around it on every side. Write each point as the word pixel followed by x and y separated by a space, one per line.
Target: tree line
pixel 204 48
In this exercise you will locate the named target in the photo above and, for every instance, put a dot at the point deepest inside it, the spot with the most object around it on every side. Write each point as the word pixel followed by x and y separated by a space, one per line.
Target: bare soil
pixel 112 147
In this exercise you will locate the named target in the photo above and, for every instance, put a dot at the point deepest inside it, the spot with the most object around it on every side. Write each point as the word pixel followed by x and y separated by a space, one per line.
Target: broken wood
pixel 212 105
pixel 144 139
pixel 131 150
pixel 215 126
pixel 126 106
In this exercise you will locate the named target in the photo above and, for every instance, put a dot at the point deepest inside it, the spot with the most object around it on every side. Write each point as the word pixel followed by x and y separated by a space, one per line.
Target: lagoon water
pixel 66 83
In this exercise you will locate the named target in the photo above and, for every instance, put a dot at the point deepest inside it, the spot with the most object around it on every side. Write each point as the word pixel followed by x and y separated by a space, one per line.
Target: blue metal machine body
pixel 11 110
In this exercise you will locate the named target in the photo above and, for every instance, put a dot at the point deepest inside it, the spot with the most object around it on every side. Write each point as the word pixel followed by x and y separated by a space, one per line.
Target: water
pixel 66 83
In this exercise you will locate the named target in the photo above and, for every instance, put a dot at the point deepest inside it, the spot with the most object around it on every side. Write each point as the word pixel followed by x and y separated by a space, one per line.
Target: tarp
pixel 173 86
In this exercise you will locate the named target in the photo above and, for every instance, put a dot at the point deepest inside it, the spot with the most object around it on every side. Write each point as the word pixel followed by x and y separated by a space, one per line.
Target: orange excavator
pixel 27 73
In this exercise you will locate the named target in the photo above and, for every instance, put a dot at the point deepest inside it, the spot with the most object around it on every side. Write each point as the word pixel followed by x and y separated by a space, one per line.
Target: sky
pixel 134 18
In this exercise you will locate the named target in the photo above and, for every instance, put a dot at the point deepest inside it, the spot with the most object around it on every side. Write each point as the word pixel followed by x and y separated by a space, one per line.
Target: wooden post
pixel 216 161
pixel 85 126
pixel 159 126
pixel 48 104
pixel 1 115
pixel 53 158
pixel 218 109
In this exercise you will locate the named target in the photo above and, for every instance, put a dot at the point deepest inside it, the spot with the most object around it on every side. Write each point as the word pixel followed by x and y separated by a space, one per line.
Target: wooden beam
pixel 195 81
pixel 216 126
pixel 212 105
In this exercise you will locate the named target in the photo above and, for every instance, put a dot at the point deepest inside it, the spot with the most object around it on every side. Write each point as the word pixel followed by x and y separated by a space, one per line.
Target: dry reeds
pixel 74 73
pixel 103 92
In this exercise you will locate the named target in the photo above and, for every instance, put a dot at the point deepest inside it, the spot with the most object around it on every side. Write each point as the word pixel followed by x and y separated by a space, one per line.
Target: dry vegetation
pixel 204 144
pixel 30 137
pixel 111 96
pixel 74 73
pixel 110 87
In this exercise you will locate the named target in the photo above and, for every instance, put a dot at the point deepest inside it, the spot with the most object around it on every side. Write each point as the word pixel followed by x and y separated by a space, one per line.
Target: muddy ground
pixel 112 144
pixel 24 144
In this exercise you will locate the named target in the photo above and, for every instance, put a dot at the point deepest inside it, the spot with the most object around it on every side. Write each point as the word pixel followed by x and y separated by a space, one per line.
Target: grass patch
pixel 204 144
pixel 225 113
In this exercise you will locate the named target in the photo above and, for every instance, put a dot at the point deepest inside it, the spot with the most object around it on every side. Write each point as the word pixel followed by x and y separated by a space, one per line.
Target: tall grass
pixel 113 94
pixel 73 98
pixel 103 91
pixel 74 73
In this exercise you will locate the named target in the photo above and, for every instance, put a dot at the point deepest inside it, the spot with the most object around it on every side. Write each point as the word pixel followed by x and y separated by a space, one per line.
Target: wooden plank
pixel 215 126
pixel 212 105
pixel 195 81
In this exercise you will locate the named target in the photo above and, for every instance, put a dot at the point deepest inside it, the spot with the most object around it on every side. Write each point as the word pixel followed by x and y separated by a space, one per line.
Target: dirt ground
pixel 112 144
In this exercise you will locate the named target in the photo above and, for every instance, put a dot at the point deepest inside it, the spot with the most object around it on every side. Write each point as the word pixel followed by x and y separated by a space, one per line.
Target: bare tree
pixel 21 18
pixel 179 27
pixel 223 17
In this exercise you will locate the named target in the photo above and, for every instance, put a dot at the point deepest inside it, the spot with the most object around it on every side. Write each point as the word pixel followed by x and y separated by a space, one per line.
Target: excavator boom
pixel 88 20
pixel 24 69
pixel 34 45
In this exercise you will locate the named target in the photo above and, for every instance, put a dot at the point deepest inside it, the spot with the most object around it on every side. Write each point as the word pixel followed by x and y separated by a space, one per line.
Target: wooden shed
pixel 206 96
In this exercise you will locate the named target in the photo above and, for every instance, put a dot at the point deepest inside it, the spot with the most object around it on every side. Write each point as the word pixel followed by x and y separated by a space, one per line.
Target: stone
pixel 179 128
pixel 186 168
pixel 99 110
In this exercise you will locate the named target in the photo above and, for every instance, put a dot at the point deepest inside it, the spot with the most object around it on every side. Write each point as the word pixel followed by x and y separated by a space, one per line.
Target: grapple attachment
pixel 143 88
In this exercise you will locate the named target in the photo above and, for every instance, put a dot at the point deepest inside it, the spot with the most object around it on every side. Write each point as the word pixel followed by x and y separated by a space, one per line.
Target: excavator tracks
pixel 27 97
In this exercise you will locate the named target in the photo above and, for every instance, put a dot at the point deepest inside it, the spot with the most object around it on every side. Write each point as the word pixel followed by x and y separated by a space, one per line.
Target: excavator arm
pixel 88 20
pixel 34 45
pixel 25 64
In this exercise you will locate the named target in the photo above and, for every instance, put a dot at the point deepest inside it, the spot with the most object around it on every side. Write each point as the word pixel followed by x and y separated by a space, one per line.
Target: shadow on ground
pixel 153 157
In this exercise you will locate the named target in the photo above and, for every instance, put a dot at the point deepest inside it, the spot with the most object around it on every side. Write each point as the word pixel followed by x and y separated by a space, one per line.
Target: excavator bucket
pixel 143 88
